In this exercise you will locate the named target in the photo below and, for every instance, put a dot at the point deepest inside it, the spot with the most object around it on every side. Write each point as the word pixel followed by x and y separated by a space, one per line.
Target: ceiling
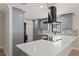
pixel 40 10
pixel 33 10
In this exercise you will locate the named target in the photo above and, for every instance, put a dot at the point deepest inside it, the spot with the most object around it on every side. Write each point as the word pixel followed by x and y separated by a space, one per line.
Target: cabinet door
pixel 17 29
pixel 67 22
pixel 43 25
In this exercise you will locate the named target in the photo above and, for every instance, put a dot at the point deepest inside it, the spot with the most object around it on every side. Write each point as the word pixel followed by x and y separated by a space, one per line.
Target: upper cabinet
pixel 66 23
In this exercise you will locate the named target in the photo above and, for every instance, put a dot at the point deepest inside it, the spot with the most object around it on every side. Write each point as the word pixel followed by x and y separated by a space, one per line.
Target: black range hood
pixel 51 15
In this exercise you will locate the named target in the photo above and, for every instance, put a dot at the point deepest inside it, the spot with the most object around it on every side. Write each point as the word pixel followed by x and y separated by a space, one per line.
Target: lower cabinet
pixel 21 53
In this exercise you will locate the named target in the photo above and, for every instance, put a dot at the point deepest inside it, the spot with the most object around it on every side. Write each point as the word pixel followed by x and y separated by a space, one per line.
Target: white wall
pixel 10 30
pixel 0 31
pixel 76 27
pixel 76 22
pixel 29 30
pixel 5 31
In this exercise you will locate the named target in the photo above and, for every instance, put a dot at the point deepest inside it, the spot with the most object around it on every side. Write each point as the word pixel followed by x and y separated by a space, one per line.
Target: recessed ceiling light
pixel 41 6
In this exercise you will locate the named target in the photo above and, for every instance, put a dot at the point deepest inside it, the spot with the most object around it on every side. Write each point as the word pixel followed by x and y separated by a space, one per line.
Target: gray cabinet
pixel 36 29
pixel 17 29
pixel 66 23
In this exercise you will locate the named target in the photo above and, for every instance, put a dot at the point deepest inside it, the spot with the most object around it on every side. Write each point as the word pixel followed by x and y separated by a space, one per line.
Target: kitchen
pixel 52 36
pixel 42 29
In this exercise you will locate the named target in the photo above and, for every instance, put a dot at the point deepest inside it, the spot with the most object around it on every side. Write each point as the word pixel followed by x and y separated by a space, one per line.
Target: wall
pixel 76 22
pixel 76 27
pixel 10 30
pixel 29 30
pixel 0 31
pixel 5 31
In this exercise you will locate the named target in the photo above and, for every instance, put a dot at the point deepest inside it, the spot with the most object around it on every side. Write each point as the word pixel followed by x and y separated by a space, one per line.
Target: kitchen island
pixel 48 48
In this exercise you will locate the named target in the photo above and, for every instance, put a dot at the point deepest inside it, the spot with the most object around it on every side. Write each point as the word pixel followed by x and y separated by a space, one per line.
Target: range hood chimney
pixel 51 15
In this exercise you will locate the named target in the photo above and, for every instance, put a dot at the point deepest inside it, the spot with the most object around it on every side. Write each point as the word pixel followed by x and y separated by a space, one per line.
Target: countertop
pixel 46 48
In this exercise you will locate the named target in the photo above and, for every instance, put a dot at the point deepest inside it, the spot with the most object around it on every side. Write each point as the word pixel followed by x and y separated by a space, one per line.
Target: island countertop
pixel 46 48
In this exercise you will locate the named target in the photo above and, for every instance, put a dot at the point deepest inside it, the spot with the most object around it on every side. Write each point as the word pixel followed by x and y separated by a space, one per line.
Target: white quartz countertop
pixel 46 48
